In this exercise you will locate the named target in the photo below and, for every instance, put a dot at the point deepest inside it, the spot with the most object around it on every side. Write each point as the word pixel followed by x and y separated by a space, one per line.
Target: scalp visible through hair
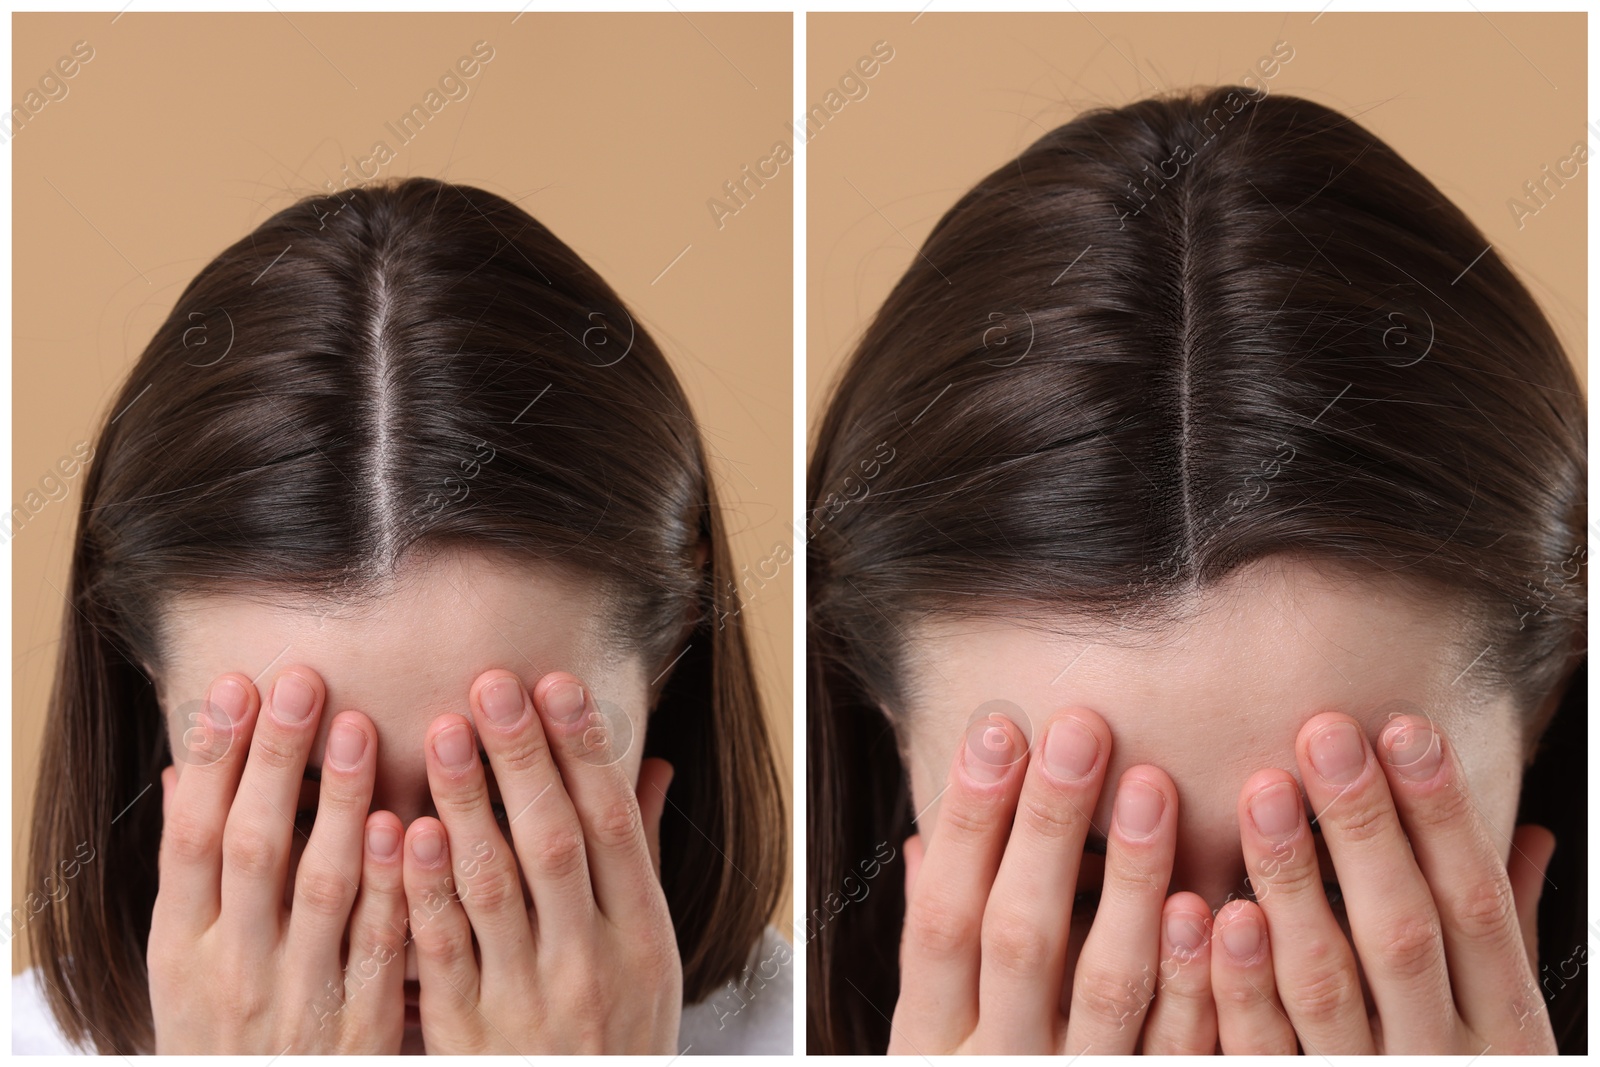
pixel 383 402
pixel 1185 233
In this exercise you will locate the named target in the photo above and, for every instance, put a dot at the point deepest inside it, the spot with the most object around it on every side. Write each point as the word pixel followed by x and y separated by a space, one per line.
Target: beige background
pixel 186 131
pixel 1477 104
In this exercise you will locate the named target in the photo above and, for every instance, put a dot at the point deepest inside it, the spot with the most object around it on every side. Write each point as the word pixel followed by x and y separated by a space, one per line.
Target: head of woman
pixel 1207 413
pixel 398 436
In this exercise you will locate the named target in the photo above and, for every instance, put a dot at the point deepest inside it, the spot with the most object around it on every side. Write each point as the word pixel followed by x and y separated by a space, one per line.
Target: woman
pixel 398 572
pixel 1194 580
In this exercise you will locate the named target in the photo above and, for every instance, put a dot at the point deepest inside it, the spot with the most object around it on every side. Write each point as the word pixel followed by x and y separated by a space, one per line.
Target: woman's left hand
pixel 591 964
pixel 1445 937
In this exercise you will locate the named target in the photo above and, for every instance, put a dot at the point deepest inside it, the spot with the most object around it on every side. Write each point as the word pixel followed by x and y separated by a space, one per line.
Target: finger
pixel 1250 1019
pixel 195 808
pixel 655 776
pixel 260 828
pixel 940 944
pixel 487 880
pixel 542 821
pixel 447 972
pixel 1315 968
pixel 1183 1017
pixel 169 778
pixel 374 977
pixel 329 874
pixel 1531 850
pixel 625 887
pixel 1028 915
pixel 1485 952
pixel 1389 906
pixel 913 854
pixel 1117 970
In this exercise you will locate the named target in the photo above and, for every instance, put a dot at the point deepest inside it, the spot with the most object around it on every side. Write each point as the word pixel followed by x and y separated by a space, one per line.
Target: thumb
pixel 1531 849
pixel 655 775
pixel 913 854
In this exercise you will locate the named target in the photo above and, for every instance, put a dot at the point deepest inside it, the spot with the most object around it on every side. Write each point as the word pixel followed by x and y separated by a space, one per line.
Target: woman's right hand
pixel 983 954
pixel 232 969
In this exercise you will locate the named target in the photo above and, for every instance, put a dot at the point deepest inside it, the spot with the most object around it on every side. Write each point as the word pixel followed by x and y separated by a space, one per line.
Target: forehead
pixel 1271 632
pixel 1215 695
pixel 408 653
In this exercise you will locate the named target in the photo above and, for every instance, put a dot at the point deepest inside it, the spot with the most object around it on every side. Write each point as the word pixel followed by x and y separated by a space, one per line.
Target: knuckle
pixel 1324 995
pixel 439 941
pixel 322 890
pixel 1370 820
pixel 1050 817
pixel 1191 985
pixel 1238 994
pixel 1411 946
pixel 249 851
pixel 275 752
pixel 464 795
pixel 494 890
pixel 1108 996
pixel 242 998
pixel 191 838
pixel 1445 809
pixel 618 826
pixel 527 754
pixel 1293 875
pixel 1126 882
pixel 1015 945
pixel 1485 911
pixel 584 986
pixel 383 942
pixel 972 815
pixel 561 854
pixel 938 930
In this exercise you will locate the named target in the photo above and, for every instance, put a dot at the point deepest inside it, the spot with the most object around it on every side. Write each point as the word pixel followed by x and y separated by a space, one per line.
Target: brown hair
pixel 301 419
pixel 1099 359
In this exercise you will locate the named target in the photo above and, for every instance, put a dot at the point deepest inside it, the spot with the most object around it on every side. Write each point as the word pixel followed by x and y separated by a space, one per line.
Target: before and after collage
pixel 783 530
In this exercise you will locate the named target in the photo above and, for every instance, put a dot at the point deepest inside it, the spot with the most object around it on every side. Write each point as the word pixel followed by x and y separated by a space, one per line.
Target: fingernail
pixel 427 846
pixel 1138 809
pixel 225 704
pixel 564 702
pixel 990 750
pixel 383 839
pixel 1242 937
pixel 1338 754
pixel 453 746
pixel 1186 933
pixel 346 745
pixel 1070 750
pixel 1413 749
pixel 502 701
pixel 1276 811
pixel 292 697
